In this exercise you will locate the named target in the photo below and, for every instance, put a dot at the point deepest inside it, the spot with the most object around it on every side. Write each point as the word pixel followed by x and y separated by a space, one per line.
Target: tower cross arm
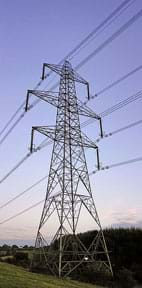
pixel 73 75
pixel 50 132
pixel 45 130
pixel 88 143
pixel 86 111
pixel 58 69
pixel 48 96
pixel 68 182
pixel 55 68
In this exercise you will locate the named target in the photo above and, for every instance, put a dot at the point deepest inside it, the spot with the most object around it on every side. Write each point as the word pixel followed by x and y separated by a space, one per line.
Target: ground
pixel 16 277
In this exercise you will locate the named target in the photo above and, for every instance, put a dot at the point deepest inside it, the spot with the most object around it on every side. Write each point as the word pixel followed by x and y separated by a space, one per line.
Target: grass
pixel 16 277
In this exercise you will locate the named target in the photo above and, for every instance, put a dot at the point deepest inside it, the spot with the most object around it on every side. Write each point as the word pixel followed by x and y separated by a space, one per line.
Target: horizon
pixel 31 242
pixel 36 33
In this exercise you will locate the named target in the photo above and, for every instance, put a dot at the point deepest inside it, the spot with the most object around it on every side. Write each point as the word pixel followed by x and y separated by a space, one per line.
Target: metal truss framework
pixel 68 169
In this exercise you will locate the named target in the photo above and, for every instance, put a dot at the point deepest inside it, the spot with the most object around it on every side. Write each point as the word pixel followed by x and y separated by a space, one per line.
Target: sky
pixel 33 32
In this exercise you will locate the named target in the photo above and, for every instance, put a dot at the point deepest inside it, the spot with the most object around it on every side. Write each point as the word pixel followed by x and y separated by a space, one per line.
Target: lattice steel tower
pixel 68 188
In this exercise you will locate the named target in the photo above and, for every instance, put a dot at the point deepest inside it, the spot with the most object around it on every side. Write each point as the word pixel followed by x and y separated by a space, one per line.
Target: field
pixel 16 277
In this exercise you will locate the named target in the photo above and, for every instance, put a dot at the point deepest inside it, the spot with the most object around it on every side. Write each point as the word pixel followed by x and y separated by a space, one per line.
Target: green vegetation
pixel 16 277
pixel 125 250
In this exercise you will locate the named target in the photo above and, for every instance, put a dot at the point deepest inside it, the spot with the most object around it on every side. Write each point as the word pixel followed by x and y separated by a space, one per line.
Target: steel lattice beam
pixel 66 252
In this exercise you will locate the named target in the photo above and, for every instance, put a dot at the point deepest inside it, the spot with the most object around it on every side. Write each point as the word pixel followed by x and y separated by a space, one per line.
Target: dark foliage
pixel 124 279
pixel 90 275
pixel 125 250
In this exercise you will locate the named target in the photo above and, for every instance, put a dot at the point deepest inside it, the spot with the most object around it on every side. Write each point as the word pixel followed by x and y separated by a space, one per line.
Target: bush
pixel 22 259
pixel 137 270
pixel 21 256
pixel 124 279
pixel 91 275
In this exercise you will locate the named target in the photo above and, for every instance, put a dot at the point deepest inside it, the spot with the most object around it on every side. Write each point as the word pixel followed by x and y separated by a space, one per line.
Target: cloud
pixel 123 217
pixel 18 242
pixel 129 215
pixel 137 224
pixel 18 233
pixel 128 218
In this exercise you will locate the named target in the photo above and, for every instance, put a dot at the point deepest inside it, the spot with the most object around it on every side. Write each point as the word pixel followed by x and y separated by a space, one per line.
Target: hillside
pixel 16 277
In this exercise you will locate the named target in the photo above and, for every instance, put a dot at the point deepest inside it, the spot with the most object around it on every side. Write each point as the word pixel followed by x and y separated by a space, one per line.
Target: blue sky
pixel 34 32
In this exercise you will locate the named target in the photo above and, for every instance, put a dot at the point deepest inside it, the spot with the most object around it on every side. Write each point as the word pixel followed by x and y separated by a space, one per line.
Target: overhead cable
pixel 45 144
pixel 113 84
pixel 102 28
pixel 42 145
pixel 111 38
pixel 105 113
pixel 23 192
pixel 45 177
pixel 22 212
pixel 118 106
pixel 106 167
pixel 116 34
pixel 127 162
pixel 131 125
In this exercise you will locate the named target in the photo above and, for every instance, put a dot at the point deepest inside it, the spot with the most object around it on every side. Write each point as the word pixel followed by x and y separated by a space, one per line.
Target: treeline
pixel 124 246
pixel 125 250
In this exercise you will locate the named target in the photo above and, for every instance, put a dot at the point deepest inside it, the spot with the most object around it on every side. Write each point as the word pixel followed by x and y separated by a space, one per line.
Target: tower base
pixel 75 254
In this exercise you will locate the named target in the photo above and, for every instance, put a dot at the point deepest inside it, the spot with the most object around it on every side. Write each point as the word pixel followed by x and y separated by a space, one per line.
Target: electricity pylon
pixel 68 188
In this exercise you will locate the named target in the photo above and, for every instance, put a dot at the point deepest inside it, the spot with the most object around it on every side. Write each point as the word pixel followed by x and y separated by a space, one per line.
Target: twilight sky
pixel 33 32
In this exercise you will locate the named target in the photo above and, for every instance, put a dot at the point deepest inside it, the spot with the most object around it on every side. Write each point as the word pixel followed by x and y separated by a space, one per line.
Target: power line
pixel 102 115
pixel 131 125
pixel 124 162
pixel 105 113
pixel 126 127
pixel 130 161
pixel 42 145
pixel 99 27
pixel 103 168
pixel 110 39
pixel 12 127
pixel 106 88
pixel 115 107
pixel 119 12
pixel 74 50
pixel 13 116
pixel 22 106
pixel 127 162
pixel 16 167
pixel 22 212
pixel 123 28
pixel 23 192
pixel 45 177
pixel 121 104
pixel 113 84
